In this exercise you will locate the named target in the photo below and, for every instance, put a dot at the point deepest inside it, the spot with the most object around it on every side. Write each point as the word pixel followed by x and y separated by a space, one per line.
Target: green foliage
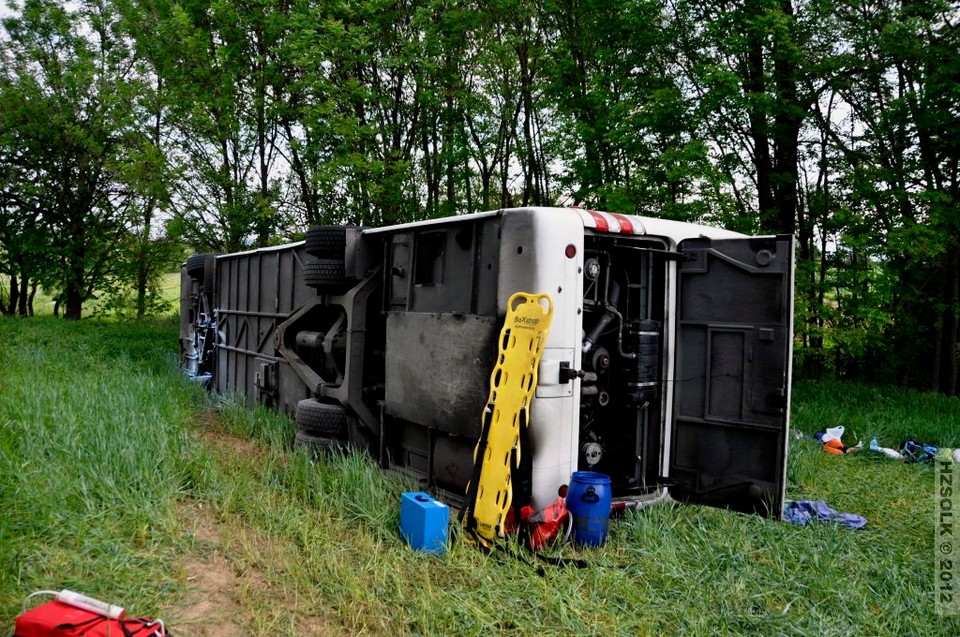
pixel 121 298
pixel 621 115
pixel 68 130
pixel 226 125
pixel 886 196
pixel 221 87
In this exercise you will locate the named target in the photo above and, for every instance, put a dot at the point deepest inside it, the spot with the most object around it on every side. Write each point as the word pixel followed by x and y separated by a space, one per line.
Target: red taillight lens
pixel 571 251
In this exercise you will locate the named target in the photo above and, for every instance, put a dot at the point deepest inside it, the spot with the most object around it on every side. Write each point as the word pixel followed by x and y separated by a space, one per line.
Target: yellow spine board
pixel 512 383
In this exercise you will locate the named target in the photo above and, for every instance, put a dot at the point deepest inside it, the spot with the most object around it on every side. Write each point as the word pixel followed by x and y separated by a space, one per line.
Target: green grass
pixel 93 440
pixel 892 414
pixel 169 293
pixel 170 289
pixel 103 447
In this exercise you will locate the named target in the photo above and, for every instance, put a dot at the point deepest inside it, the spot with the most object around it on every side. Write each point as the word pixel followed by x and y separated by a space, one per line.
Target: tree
pixel 215 61
pixel 21 240
pixel 67 97
pixel 624 123
pixel 899 153
pixel 747 64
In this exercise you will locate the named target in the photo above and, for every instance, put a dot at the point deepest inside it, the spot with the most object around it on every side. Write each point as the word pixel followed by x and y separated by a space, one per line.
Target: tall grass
pixel 892 414
pixel 102 441
pixel 92 449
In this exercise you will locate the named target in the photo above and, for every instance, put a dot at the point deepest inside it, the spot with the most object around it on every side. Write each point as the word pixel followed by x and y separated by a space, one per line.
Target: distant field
pixel 169 290
pixel 120 479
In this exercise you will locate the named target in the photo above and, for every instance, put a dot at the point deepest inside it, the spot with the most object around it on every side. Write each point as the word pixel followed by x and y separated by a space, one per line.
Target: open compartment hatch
pixel 731 394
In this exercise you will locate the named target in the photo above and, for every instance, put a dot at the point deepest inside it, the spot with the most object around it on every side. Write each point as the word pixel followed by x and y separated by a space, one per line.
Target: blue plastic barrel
pixel 589 502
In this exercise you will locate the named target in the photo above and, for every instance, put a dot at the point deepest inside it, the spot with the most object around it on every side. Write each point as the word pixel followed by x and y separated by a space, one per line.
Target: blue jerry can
pixel 424 522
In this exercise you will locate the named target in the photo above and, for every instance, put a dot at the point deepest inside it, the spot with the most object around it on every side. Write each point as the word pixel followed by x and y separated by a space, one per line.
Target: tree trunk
pixel 529 163
pixel 143 260
pixel 754 87
pixel 74 303
pixel 23 296
pixel 33 294
pixel 786 128
pixel 143 256
pixel 74 292
pixel 307 194
pixel 14 294
pixel 143 275
pixel 505 199
pixel 947 338
pixel 468 190
pixel 431 145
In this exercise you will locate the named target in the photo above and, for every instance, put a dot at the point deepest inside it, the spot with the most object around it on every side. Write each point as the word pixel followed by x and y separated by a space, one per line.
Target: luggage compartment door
pixel 731 403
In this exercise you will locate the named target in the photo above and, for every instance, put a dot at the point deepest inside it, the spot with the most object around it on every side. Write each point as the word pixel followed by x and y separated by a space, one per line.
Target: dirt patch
pixel 211 607
pixel 212 610
pixel 235 575
pixel 225 442
pixel 228 591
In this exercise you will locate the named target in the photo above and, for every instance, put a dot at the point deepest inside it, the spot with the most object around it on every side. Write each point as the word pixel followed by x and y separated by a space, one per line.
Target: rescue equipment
pixel 505 417
pixel 543 526
pixel 74 615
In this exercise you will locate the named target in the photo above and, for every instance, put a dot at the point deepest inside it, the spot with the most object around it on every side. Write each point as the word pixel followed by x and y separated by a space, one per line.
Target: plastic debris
pixel 918 452
pixel 832 441
pixel 833 433
pixel 545 525
pixel 887 451
pixel 802 512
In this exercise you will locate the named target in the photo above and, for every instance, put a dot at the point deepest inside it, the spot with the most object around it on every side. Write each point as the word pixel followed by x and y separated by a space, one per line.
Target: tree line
pixel 132 128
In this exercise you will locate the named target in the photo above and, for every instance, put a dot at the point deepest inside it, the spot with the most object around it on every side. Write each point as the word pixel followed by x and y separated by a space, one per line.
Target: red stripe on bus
pixel 602 224
pixel 626 226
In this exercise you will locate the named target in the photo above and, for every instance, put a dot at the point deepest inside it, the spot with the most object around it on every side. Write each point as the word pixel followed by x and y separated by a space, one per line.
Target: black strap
pixel 469 500
pixel 86 624
pixel 521 474
pixel 148 625
pixel 142 624
pixel 145 623
pixel 559 562
pixel 126 631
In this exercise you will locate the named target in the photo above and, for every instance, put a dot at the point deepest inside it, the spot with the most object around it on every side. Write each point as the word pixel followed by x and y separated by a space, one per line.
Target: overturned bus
pixel 667 365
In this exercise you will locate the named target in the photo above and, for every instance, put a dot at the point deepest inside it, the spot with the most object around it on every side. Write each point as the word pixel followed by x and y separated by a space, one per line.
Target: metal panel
pixel 255 291
pixel 730 426
pixel 438 369
pixel 450 267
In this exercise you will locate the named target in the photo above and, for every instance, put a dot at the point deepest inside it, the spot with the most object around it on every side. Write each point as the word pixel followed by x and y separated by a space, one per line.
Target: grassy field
pixel 120 479
pixel 169 293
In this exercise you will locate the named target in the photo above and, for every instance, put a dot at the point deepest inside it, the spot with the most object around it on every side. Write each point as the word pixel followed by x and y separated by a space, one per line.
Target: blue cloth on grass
pixel 918 452
pixel 803 511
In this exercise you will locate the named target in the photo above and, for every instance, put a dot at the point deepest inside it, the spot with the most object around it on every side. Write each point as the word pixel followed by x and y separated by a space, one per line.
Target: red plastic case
pixel 56 619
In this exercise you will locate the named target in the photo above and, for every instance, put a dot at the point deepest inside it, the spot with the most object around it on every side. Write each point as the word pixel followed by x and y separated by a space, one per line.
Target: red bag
pixel 546 525
pixel 56 619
